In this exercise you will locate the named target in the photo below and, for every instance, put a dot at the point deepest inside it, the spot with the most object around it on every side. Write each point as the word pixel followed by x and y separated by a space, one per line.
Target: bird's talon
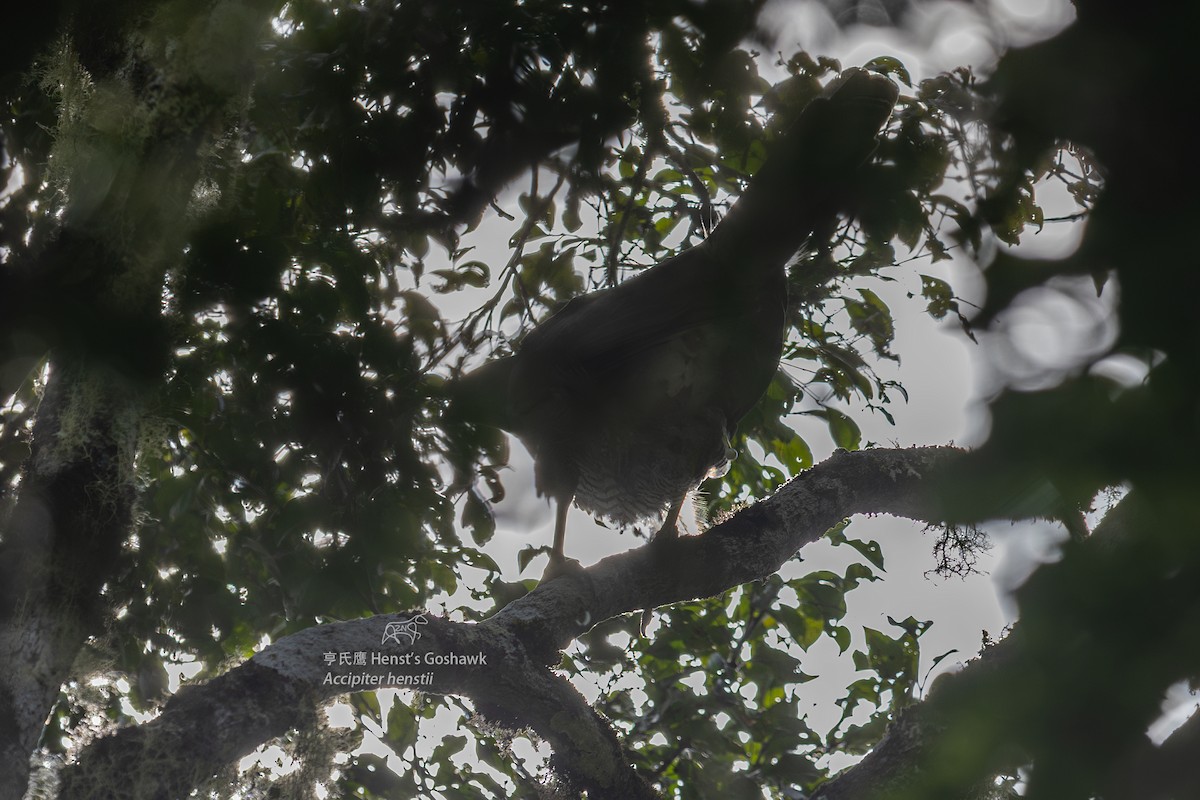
pixel 561 566
pixel 663 539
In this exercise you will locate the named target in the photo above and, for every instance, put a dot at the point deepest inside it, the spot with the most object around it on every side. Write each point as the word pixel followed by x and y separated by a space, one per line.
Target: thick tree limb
pixel 1166 771
pixel 103 273
pixel 507 675
pixel 511 683
pixel 59 547
pixel 750 545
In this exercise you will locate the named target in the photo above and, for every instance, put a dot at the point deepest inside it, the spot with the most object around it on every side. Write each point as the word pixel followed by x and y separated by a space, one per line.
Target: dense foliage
pixel 251 222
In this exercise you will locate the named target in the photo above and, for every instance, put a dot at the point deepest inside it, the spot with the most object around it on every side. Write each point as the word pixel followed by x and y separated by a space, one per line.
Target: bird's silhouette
pixel 627 397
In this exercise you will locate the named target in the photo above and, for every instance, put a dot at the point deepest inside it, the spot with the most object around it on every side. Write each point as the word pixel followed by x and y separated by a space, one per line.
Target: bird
pixel 629 396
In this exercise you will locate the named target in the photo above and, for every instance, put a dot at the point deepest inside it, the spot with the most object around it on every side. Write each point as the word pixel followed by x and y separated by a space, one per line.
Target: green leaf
pixel 870 550
pixel 628 163
pixel 845 431
pixel 842 636
pixel 804 630
pixel 939 295
pixel 475 273
pixel 794 453
pixel 889 65
pixel 401 728
pixel 477 515
pixel 448 747
pixel 527 554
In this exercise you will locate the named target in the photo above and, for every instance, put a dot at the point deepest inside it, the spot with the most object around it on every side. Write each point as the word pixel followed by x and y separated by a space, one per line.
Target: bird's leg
pixel 669 531
pixel 560 529
pixel 559 563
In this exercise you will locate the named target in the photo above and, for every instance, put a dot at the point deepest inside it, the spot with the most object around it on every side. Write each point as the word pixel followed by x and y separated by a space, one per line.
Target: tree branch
pixel 59 546
pixel 506 669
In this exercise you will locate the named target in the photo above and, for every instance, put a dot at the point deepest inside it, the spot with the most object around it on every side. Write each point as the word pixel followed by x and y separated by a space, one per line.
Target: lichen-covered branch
pixel 503 664
pixel 59 547
pixel 127 157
